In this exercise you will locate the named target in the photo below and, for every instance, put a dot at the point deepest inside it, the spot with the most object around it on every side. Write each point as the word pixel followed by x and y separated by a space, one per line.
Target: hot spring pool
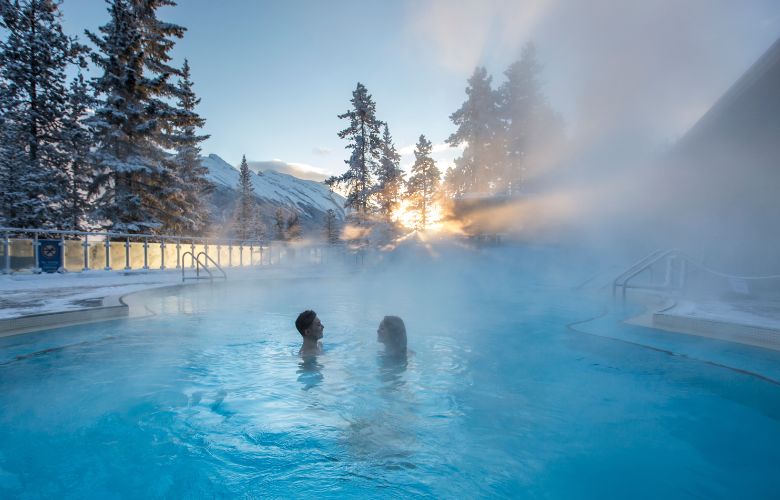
pixel 208 398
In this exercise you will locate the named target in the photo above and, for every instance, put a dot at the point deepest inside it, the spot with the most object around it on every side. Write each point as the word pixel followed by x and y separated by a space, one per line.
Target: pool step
pixel 759 331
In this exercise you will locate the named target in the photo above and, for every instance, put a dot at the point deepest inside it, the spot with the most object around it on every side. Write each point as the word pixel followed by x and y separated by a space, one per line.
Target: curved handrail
pixel 209 259
pixel 639 267
pixel 641 264
pixel 655 257
pixel 198 264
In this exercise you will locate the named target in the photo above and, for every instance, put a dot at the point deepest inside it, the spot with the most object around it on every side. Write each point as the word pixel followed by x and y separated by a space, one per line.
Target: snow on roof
pixel 277 187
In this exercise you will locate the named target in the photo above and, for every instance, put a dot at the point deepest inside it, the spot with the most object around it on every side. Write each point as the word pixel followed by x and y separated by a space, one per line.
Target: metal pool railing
pixel 21 249
pixel 204 263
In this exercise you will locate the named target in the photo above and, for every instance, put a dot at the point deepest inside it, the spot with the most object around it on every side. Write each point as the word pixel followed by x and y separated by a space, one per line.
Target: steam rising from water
pixel 631 78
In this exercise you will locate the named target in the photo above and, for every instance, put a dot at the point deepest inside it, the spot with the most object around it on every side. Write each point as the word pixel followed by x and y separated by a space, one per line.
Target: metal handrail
pixel 198 264
pixel 640 264
pixel 197 268
pixel 209 259
pixel 645 264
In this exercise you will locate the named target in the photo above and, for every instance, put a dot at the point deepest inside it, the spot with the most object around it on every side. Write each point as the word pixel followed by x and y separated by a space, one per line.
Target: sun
pixel 410 219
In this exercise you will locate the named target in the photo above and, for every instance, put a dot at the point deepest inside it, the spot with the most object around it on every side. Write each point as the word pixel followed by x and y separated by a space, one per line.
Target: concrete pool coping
pixel 36 322
pixel 677 316
pixel 112 307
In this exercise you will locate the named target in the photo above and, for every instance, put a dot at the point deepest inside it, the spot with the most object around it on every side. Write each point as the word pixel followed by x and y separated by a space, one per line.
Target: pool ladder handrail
pixel 204 265
pixel 648 262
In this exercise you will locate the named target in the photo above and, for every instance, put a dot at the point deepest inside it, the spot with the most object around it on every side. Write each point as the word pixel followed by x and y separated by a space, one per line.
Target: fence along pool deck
pixel 84 251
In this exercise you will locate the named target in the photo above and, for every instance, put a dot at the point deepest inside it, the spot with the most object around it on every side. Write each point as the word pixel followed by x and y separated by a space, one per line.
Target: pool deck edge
pixel 35 322
pixel 659 314
pixel 112 307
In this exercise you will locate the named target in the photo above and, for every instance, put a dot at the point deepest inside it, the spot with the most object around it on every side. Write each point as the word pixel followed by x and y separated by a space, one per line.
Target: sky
pixel 274 75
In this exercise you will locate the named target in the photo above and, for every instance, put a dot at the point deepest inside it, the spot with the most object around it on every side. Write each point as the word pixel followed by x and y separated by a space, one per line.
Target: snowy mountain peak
pixel 276 188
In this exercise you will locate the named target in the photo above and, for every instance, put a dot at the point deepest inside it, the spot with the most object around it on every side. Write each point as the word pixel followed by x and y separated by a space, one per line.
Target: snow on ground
pixel 757 313
pixel 27 294
pixel 23 295
pixel 277 187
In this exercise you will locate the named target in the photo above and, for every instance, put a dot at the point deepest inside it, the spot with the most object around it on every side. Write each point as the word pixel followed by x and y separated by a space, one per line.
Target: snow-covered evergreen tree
pixel 132 179
pixel 529 121
pixel 191 214
pixel 138 185
pixel 280 225
pixel 479 129
pixel 257 229
pixel 246 202
pixel 294 227
pixel 363 134
pixel 33 98
pixel 331 227
pixel 76 144
pixel 423 184
pixel 390 177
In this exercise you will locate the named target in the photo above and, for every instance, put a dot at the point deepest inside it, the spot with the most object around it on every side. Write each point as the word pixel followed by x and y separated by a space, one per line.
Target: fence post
pixel 108 254
pixel 192 249
pixel 219 254
pixel 230 254
pixel 62 254
pixel 7 249
pixel 251 255
pixel 85 244
pixel 178 254
pixel 36 245
pixel 127 253
pixel 146 253
pixel 241 254
pixel 162 254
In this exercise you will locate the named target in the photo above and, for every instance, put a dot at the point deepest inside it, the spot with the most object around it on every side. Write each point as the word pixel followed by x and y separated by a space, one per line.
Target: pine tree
pixel 131 178
pixel 363 133
pixel 530 123
pixel 331 227
pixel 479 128
pixel 454 185
pixel 191 213
pixel 280 225
pixel 390 177
pixel 137 182
pixel 76 144
pixel 294 227
pixel 33 99
pixel 423 184
pixel 257 229
pixel 246 201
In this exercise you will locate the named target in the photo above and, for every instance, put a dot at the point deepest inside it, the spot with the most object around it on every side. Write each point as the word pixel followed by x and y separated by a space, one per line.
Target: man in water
pixel 392 333
pixel 310 327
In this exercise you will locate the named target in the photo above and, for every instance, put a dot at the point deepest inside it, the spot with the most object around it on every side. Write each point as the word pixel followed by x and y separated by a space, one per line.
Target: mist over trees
pixel 423 185
pixel 504 132
pixel 390 177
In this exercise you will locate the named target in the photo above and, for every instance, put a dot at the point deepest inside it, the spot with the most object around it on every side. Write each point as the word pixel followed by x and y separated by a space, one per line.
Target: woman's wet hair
pixel 304 321
pixel 396 331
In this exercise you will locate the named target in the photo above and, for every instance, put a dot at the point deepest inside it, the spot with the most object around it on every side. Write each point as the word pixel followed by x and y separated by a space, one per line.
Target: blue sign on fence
pixel 49 255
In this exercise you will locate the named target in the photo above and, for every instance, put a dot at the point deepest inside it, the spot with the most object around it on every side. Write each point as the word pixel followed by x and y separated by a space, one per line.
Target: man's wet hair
pixel 304 321
pixel 396 331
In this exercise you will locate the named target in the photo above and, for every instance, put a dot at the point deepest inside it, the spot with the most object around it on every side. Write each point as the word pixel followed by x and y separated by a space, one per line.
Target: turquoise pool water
pixel 208 398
